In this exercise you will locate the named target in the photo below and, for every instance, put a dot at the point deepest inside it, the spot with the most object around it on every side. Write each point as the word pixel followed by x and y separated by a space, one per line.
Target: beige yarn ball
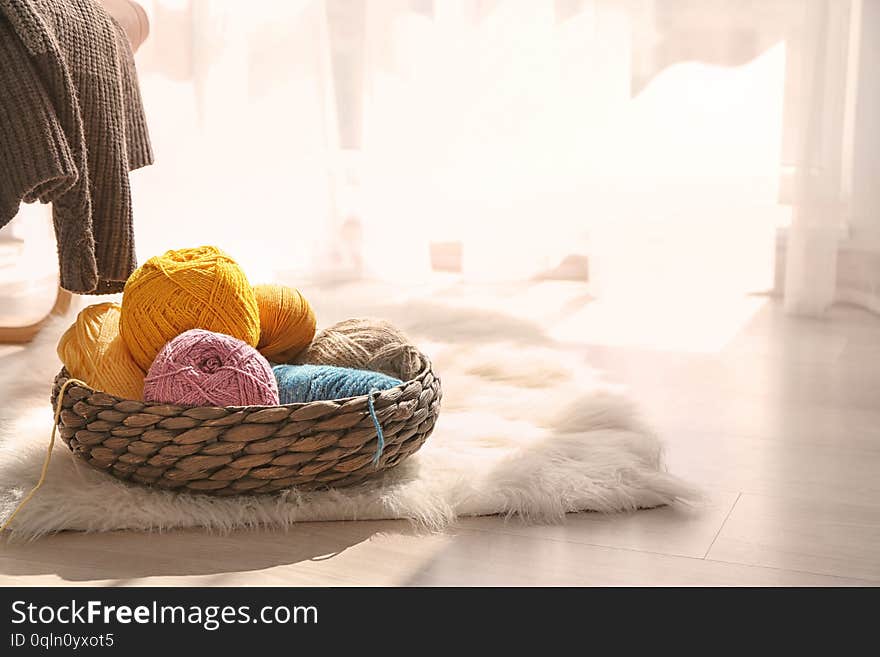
pixel 366 344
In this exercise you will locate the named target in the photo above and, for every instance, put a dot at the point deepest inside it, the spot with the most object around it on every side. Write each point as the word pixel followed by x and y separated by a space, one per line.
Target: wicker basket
pixel 247 449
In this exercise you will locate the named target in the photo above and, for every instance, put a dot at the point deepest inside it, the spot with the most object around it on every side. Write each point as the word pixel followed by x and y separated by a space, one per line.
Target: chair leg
pixel 23 334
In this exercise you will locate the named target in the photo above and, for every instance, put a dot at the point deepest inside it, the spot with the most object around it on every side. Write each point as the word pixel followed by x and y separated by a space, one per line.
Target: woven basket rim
pixel 424 370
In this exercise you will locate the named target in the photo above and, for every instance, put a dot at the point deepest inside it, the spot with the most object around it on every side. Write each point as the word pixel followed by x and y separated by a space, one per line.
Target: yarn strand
pixel 380 437
pixel 45 470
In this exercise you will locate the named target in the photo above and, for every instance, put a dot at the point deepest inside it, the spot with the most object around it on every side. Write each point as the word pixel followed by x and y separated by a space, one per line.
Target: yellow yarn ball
pixel 185 289
pixel 92 350
pixel 287 322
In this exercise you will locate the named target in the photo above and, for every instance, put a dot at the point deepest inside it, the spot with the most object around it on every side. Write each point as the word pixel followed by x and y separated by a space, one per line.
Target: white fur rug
pixel 526 429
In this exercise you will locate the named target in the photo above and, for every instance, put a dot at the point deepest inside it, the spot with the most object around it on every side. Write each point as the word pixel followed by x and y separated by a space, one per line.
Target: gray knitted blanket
pixel 71 128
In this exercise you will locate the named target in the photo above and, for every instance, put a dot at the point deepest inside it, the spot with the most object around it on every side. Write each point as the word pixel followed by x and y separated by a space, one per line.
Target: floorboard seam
pixel 863 580
pixel 724 522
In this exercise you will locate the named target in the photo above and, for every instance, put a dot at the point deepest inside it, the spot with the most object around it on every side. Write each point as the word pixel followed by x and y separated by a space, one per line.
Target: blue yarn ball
pixel 305 383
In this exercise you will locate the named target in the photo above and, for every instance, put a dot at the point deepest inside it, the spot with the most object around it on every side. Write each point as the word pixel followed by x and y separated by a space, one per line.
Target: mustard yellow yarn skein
pixel 185 289
pixel 92 350
pixel 287 322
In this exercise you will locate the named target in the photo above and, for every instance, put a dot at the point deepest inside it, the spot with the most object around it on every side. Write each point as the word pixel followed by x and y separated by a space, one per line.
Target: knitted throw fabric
pixel 71 128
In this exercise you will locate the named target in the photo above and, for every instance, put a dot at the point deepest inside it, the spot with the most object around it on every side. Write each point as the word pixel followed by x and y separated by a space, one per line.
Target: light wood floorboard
pixel 780 426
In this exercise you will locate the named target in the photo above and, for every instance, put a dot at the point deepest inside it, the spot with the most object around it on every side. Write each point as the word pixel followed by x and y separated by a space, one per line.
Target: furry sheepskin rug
pixel 526 429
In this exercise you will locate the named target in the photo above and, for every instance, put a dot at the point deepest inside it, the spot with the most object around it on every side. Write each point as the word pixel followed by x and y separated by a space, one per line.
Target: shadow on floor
pixel 127 555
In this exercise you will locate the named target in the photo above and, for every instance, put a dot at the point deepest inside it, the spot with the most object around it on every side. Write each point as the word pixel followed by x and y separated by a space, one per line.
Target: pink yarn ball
pixel 203 368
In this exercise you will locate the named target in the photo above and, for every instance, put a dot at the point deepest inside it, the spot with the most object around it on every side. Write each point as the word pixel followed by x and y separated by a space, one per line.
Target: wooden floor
pixel 780 425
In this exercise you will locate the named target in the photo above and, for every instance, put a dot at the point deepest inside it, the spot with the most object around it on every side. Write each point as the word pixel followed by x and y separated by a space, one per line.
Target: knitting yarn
pixel 203 368
pixel 367 344
pixel 185 289
pixel 305 383
pixel 92 350
pixel 287 322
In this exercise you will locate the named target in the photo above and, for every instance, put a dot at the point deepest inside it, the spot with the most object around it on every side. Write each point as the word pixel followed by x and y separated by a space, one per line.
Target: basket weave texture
pixel 238 450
